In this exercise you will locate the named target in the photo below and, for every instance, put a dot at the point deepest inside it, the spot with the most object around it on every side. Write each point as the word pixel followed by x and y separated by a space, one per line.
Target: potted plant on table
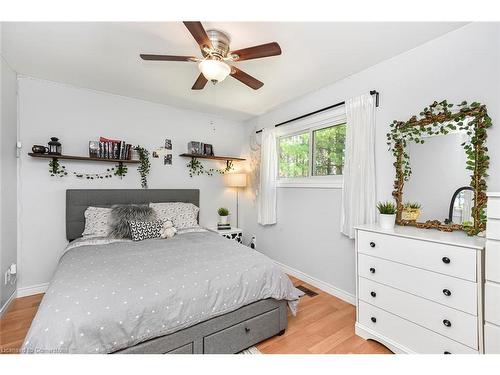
pixel 411 211
pixel 223 214
pixel 387 212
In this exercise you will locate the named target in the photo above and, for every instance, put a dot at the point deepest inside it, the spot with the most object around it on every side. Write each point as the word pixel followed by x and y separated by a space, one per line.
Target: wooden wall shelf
pixel 81 158
pixel 198 156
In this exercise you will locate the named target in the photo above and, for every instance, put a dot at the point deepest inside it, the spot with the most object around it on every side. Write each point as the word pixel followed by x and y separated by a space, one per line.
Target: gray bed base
pixel 226 334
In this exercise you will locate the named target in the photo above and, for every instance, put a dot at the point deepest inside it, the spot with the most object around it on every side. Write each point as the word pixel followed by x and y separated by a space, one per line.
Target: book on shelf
pixel 106 148
pixel 223 226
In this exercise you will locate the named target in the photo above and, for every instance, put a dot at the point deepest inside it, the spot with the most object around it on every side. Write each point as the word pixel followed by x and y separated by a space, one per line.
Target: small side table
pixel 232 234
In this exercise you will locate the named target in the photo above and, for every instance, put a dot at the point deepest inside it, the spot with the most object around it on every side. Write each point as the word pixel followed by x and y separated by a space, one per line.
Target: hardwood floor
pixel 324 324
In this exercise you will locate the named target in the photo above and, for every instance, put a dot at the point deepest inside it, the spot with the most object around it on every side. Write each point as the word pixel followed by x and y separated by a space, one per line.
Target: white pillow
pixel 183 215
pixel 96 222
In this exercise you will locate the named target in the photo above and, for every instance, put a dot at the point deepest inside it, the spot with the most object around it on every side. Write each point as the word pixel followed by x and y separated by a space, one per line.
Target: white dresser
pixel 420 291
pixel 492 285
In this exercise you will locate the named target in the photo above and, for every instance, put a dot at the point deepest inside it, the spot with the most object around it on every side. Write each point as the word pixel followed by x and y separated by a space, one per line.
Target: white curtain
pixel 268 174
pixel 358 189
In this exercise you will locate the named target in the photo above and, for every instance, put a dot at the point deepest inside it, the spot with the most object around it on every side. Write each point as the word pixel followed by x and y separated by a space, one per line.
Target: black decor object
pixel 55 147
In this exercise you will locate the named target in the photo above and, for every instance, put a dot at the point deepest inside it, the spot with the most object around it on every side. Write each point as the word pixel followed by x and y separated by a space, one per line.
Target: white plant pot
pixel 223 219
pixel 387 221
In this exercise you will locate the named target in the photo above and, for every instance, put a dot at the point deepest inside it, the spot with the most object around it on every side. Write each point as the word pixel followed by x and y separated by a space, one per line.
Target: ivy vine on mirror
pixel 439 119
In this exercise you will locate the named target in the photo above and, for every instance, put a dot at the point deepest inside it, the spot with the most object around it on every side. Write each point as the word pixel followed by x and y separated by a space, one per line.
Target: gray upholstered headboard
pixel 77 201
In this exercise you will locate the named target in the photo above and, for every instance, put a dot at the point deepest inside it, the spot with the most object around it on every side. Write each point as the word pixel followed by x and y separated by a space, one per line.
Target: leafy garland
pixel 437 119
pixel 144 166
pixel 196 168
pixel 56 169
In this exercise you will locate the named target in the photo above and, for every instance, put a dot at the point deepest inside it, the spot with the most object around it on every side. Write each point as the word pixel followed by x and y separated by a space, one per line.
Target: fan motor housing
pixel 220 42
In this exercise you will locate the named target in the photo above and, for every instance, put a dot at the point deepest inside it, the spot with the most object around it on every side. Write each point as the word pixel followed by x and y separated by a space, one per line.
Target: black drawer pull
pixel 447 323
pixel 247 329
pixel 447 292
pixel 372 270
pixel 446 260
pixel 372 244
pixel 373 294
pixel 447 352
pixel 373 319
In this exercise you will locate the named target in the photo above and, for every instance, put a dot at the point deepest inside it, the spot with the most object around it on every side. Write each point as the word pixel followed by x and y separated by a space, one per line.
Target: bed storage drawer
pixel 184 349
pixel 446 259
pixel 244 334
pixel 407 334
pixel 444 320
pixel 449 291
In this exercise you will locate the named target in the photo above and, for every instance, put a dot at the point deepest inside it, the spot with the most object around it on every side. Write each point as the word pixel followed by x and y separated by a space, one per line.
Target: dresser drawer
pixel 491 339
pixel 493 229
pixel 243 335
pixel 446 259
pixel 449 322
pixel 426 284
pixel 410 335
pixel 492 303
pixel 493 260
pixel 493 209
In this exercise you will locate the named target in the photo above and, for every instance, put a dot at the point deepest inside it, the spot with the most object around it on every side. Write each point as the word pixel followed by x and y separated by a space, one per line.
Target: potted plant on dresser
pixel 387 211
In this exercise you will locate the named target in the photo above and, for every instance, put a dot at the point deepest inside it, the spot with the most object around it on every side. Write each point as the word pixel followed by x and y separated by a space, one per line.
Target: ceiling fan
pixel 214 46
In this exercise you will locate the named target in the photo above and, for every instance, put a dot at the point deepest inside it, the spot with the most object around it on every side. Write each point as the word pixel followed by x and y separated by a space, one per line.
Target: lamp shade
pixel 236 179
pixel 214 70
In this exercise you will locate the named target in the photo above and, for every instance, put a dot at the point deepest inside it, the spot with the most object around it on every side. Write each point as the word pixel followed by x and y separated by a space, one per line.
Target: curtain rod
pixel 372 92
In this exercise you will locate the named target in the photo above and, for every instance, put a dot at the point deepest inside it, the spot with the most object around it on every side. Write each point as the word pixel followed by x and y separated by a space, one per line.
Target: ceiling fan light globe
pixel 214 70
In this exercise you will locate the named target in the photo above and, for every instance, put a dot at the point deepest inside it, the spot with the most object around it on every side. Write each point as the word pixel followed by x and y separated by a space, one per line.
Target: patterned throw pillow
pixel 142 230
pixel 183 215
pixel 96 221
pixel 122 214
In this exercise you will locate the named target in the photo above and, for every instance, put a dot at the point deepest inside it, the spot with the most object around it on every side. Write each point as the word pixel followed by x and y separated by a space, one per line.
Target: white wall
pixel 8 175
pixel 78 115
pixel 463 64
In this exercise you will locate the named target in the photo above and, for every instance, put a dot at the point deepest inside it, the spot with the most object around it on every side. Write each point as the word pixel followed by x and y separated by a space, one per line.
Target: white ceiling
pixel 105 56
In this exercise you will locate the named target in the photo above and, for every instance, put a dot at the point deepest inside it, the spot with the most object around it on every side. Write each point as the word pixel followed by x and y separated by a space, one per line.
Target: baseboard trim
pixel 6 305
pixel 325 287
pixel 30 290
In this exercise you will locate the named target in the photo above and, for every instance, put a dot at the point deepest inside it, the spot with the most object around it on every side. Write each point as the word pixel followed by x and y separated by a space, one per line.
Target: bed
pixel 195 293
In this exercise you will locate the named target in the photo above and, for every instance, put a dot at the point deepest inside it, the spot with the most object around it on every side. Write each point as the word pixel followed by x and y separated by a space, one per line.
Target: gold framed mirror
pixel 442 119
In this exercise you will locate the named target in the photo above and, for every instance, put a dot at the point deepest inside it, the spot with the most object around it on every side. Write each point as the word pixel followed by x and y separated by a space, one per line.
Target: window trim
pixel 309 125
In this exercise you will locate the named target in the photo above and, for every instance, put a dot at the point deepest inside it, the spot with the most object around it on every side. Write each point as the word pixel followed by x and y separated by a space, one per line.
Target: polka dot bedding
pixel 107 296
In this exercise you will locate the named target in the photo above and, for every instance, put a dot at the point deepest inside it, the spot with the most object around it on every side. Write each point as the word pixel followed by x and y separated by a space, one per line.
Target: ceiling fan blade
pixel 200 83
pixel 247 79
pixel 257 52
pixel 167 58
pixel 199 34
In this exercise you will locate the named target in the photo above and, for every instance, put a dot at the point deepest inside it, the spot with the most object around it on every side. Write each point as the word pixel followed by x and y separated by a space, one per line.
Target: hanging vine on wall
pixel 144 166
pixel 56 169
pixel 196 168
pixel 438 119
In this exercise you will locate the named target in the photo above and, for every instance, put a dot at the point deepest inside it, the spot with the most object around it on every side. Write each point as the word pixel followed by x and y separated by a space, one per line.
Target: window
pixel 314 156
pixel 294 155
pixel 329 150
